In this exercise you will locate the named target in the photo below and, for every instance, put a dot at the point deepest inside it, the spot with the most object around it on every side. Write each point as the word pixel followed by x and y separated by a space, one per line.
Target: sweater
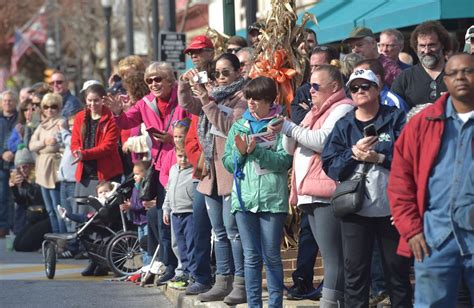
pixel 180 191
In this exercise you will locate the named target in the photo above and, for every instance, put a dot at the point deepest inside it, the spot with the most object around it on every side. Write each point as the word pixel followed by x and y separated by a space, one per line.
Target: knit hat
pixel 23 156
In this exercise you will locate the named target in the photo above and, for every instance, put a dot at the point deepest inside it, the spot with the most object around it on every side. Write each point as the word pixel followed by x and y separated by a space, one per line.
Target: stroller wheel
pixel 50 260
pixel 124 255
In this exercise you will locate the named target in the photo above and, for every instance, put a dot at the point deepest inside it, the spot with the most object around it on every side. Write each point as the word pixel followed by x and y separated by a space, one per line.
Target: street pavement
pixel 23 283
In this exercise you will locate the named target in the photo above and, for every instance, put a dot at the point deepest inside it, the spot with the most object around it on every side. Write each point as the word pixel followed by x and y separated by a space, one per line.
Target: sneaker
pixel 374 300
pixel 300 291
pixel 195 288
pixel 66 254
pixel 167 276
pixel 178 282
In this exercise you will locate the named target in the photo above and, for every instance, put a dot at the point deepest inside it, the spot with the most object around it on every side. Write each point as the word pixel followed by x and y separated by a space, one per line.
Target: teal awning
pixel 336 18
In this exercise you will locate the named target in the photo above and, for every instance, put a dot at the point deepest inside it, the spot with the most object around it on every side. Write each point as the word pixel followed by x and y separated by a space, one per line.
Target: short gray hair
pixel 9 92
pixel 397 34
pixel 161 68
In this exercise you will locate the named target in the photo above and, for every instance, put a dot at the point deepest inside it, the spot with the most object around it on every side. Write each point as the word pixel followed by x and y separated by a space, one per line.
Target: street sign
pixel 171 49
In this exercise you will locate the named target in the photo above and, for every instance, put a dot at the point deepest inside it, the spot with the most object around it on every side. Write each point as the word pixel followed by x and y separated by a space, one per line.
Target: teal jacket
pixel 260 193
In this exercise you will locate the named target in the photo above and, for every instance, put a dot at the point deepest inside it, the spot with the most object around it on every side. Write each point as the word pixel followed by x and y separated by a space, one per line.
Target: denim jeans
pixel 4 199
pixel 307 253
pixel 166 254
pixel 68 202
pixel 183 227
pixel 202 240
pixel 438 277
pixel 51 200
pixel 228 247
pixel 142 231
pixel 261 235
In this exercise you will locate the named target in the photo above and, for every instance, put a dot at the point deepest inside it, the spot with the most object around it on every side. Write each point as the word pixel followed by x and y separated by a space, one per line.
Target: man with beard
pixel 423 83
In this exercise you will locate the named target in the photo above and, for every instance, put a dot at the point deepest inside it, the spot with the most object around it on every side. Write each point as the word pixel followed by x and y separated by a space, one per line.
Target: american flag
pixel 34 31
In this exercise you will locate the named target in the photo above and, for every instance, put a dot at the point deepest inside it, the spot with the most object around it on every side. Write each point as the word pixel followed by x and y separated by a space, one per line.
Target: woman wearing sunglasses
pixel 367 135
pixel 218 107
pixel 157 110
pixel 47 148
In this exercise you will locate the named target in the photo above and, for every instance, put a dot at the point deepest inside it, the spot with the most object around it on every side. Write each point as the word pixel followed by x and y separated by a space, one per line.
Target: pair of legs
pixel 326 229
pixel 51 200
pixel 67 201
pixel 261 235
pixel 183 229
pixel 202 240
pixel 228 245
pixel 358 235
pixel 439 277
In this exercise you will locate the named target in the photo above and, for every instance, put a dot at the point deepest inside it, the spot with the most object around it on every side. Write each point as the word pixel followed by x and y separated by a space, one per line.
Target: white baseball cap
pixel 89 83
pixel 363 74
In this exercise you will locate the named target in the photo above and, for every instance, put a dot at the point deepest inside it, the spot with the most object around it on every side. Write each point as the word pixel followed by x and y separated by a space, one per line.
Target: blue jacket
pixel 337 153
pixel 302 95
pixel 71 105
pixel 6 127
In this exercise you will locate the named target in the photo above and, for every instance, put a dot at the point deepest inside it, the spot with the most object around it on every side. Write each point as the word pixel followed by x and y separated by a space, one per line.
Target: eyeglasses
pixel 53 107
pixel 56 82
pixel 363 86
pixel 156 79
pixel 198 51
pixel 224 73
pixel 233 50
pixel 433 87
pixel 464 71
pixel 315 87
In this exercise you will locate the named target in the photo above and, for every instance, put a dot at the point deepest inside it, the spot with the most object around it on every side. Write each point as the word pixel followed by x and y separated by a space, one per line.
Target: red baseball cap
pixel 199 42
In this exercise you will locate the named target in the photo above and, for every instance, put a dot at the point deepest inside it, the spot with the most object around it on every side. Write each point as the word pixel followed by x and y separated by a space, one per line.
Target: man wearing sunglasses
pixel 423 83
pixel 59 85
pixel 201 51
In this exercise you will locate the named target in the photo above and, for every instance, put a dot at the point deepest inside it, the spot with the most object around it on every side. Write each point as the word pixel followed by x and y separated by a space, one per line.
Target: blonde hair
pixel 133 62
pixel 163 69
pixel 52 99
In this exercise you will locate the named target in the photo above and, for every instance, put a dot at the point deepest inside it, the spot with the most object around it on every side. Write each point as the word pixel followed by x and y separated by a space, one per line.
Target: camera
pixel 201 77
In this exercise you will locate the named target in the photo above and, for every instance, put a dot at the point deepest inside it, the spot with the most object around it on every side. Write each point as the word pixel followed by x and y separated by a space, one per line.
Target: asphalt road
pixel 24 284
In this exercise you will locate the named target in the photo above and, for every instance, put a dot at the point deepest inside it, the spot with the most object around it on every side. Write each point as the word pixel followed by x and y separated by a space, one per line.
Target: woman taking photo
pixel 157 110
pixel 47 148
pixel 218 109
pixel 367 136
pixel 94 144
pixel 260 196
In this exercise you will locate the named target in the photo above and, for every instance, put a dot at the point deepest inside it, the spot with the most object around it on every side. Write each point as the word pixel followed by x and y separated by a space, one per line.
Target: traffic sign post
pixel 171 49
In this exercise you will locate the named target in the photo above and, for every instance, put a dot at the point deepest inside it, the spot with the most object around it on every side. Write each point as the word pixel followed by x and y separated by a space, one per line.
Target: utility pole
pixel 229 17
pixel 129 27
pixel 155 29
pixel 169 7
pixel 251 11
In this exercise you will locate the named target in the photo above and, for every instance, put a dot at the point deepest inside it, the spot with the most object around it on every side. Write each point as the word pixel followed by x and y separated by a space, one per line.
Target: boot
pixel 221 289
pixel 90 269
pixel 238 295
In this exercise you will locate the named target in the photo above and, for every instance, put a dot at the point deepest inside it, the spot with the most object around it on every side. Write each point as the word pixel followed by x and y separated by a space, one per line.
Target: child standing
pixel 135 206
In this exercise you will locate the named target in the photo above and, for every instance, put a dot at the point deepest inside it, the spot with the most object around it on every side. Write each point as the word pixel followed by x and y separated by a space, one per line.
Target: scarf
pixel 204 125
pixel 256 123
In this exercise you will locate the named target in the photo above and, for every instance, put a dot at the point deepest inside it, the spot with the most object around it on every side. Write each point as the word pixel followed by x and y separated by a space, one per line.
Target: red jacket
pixel 105 152
pixel 191 145
pixel 414 156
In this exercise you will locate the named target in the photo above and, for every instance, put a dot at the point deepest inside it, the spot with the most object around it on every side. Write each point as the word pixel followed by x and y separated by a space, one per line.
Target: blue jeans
pixel 438 277
pixel 228 247
pixel 165 254
pixel 142 231
pixel 183 227
pixel 307 253
pixel 202 240
pixel 67 201
pixel 4 199
pixel 51 200
pixel 264 230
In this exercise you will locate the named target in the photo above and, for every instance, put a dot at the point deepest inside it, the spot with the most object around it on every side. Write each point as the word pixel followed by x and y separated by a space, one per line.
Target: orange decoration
pixel 281 75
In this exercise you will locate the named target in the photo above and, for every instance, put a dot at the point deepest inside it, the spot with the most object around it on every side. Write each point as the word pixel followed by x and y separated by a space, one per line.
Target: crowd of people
pixel 230 162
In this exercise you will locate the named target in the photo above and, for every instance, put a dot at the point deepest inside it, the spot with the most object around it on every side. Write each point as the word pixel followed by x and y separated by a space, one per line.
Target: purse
pixel 349 195
pixel 149 184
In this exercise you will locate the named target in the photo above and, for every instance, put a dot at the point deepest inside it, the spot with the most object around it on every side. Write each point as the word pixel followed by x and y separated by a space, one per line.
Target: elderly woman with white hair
pixel 47 148
pixel 157 110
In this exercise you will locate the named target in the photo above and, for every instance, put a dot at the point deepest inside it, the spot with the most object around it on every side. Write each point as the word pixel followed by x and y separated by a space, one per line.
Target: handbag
pixel 349 195
pixel 149 184
pixel 200 172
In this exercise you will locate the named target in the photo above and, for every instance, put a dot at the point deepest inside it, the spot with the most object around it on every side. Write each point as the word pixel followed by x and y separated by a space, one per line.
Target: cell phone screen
pixel 370 130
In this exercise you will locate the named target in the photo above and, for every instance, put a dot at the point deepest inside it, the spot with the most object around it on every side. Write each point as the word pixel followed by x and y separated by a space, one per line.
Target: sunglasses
pixel 56 82
pixel 364 87
pixel 198 51
pixel 156 79
pixel 315 87
pixel 53 107
pixel 225 73
pixel 233 50
pixel 433 93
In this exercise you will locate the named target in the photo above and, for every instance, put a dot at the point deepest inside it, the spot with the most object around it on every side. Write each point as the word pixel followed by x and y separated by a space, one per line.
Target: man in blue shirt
pixel 59 85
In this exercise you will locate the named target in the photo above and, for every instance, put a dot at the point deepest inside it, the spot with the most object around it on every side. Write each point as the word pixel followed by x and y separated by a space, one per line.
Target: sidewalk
pixel 180 300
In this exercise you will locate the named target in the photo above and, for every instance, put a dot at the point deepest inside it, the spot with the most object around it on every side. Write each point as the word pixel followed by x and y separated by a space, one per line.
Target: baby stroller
pixel 104 236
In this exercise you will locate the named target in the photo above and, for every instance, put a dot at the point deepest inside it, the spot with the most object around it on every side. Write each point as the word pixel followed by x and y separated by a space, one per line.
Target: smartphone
pixel 201 77
pixel 275 121
pixel 370 130
pixel 154 131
